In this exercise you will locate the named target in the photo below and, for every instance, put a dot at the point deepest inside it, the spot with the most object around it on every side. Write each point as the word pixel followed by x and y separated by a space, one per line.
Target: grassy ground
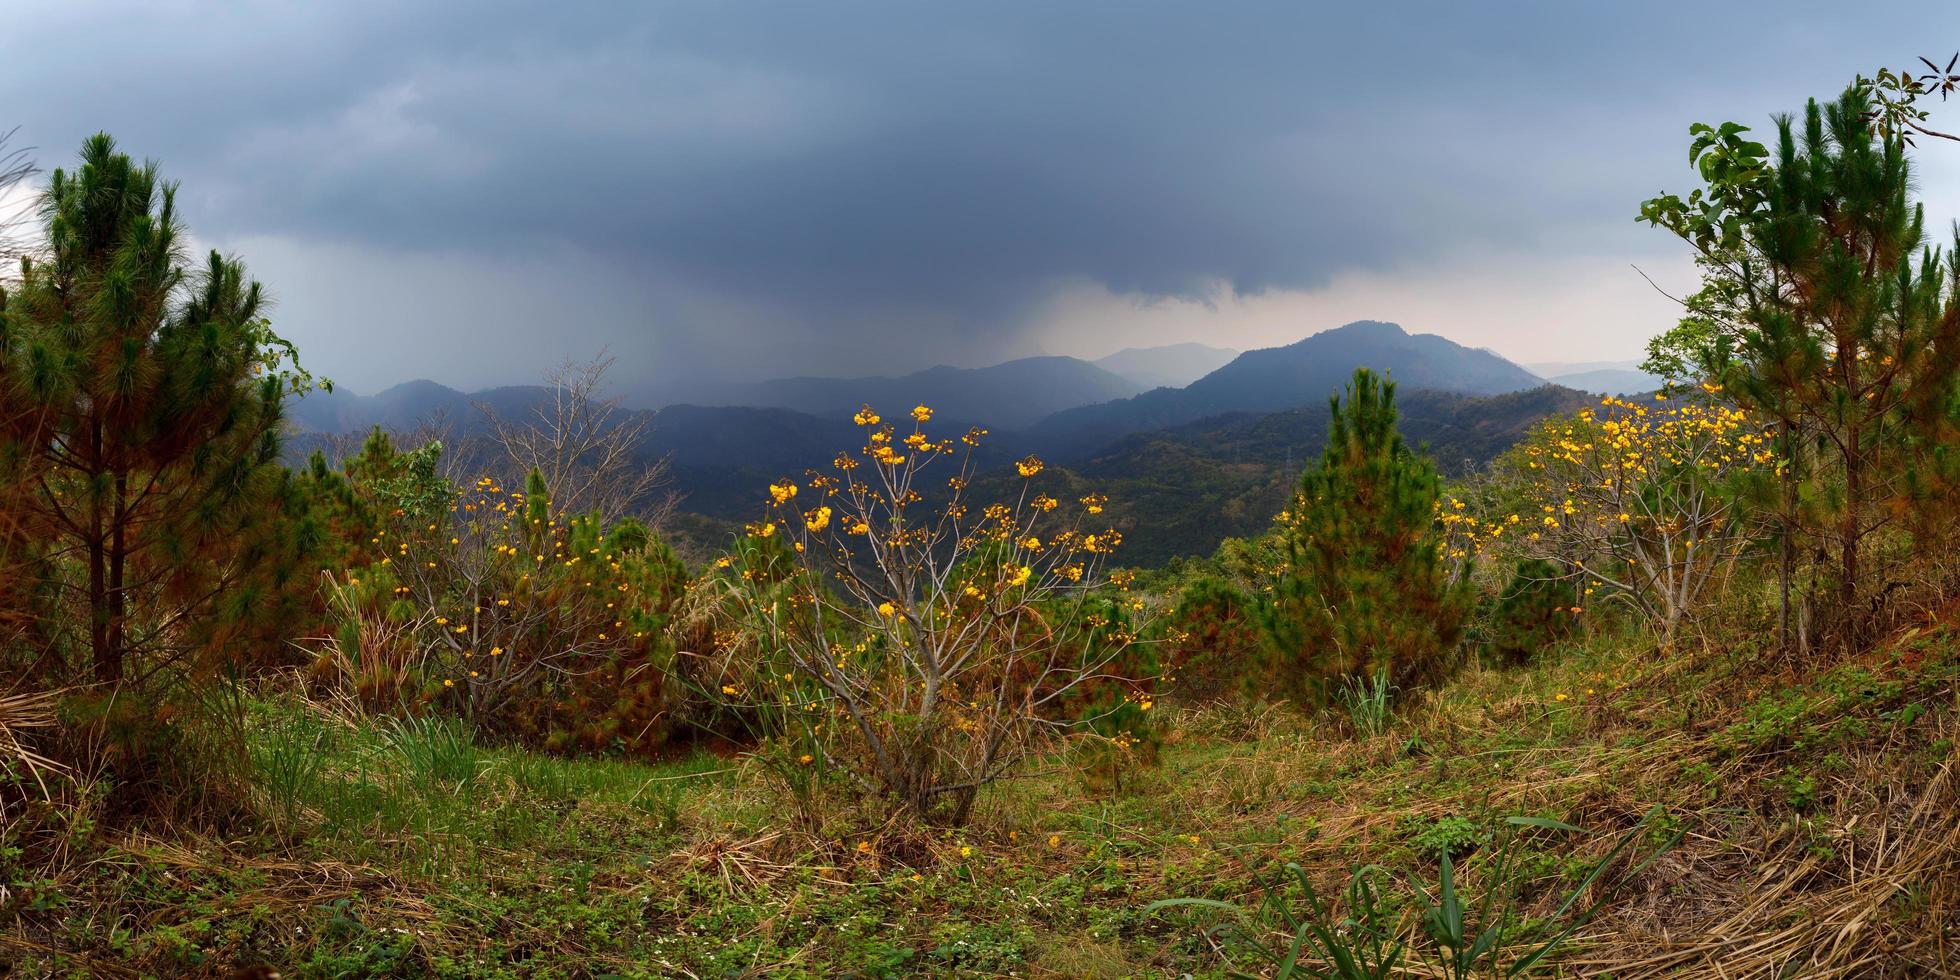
pixel 1816 805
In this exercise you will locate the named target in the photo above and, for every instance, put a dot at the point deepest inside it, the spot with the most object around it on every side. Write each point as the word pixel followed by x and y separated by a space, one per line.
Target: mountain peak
pixel 419 387
pixel 1363 330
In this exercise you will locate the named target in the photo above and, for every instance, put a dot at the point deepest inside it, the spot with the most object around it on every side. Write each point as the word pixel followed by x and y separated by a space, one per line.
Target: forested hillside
pixel 1369 656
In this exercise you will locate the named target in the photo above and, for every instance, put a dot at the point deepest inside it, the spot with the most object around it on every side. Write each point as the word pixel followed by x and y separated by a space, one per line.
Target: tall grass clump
pixel 1366 701
pixel 435 753
pixel 288 757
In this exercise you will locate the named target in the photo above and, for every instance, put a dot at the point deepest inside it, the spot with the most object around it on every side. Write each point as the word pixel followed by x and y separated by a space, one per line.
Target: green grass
pixel 394 849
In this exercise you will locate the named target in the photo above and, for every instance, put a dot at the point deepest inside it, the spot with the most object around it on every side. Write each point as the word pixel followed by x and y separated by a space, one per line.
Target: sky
pixel 474 190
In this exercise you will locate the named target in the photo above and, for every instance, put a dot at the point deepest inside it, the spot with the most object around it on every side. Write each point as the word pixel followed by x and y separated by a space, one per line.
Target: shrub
pixel 492 606
pixel 928 645
pixel 1537 608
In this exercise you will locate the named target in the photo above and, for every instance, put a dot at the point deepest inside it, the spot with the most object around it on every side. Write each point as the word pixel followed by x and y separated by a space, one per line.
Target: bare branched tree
pixel 590 451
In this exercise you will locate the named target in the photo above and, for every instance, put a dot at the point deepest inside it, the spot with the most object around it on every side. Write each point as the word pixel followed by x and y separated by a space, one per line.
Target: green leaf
pixel 1546 823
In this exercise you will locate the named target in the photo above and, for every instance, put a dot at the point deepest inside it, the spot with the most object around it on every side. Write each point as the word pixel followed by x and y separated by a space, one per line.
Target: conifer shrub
pixel 1210 637
pixel 1364 585
pixel 1538 607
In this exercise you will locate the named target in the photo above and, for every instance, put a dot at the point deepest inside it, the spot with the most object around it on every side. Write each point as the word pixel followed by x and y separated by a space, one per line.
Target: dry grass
pixel 20 714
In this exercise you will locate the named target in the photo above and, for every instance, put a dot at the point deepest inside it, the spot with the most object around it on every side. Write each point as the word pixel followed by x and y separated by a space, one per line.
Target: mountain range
pixel 1191 463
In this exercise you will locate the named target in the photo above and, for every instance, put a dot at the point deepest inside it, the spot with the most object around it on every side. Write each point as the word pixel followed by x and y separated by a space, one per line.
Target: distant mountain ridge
pixel 1009 395
pixel 1280 378
pixel 402 406
pixel 1610 381
pixel 1169 366
pixel 1192 464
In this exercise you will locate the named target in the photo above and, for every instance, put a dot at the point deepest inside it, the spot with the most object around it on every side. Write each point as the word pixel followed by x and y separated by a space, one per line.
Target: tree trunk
pixel 1848 543
pixel 108 669
pixel 108 666
pixel 1787 561
pixel 118 562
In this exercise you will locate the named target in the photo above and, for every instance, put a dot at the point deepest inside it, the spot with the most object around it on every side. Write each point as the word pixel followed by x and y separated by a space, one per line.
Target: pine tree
pixel 159 393
pixel 1209 635
pixel 1823 312
pixel 1364 585
pixel 1534 611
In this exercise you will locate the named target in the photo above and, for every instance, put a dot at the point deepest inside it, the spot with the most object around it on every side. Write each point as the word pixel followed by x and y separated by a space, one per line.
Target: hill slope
pixel 1813 801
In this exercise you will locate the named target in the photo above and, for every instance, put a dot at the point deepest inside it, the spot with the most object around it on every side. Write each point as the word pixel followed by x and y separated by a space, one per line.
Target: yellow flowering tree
pixel 934 637
pixel 1639 500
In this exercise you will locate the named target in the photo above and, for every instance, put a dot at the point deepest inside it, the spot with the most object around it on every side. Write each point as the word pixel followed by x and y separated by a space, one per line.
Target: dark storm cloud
pixel 842 166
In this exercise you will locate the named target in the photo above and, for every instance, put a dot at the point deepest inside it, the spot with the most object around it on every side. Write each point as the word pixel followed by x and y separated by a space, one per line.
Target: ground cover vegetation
pixel 1669 689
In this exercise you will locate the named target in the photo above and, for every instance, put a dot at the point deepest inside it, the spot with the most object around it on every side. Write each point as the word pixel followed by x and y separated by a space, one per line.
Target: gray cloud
pixel 760 187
